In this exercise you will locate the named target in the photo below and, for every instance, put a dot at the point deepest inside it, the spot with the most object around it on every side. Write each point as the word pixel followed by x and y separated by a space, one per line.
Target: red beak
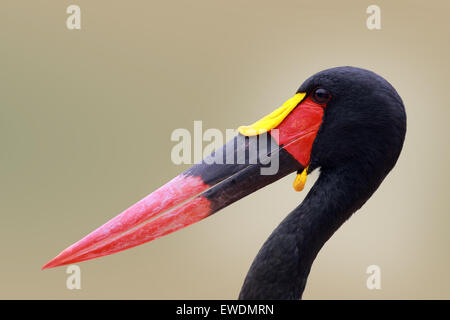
pixel 141 222
pixel 196 193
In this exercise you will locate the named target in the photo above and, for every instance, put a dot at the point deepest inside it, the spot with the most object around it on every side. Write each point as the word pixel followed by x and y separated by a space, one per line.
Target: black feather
pixel 357 145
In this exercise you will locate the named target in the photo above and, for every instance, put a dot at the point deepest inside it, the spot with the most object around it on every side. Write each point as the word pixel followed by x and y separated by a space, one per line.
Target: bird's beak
pixel 245 164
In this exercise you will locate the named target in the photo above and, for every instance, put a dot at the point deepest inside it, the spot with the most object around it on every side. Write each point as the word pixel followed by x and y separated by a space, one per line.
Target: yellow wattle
pixel 300 180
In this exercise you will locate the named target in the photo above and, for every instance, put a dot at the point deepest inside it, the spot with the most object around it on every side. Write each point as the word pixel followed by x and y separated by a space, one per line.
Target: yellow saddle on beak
pixel 274 119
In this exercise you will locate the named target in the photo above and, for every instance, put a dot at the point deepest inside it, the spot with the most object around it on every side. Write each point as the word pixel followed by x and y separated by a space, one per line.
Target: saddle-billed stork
pixel 347 121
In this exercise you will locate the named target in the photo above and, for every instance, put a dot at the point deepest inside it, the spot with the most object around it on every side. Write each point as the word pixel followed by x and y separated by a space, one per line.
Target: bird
pixel 347 122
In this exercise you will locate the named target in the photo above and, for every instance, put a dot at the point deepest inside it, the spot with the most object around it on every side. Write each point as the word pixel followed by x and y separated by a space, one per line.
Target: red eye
pixel 321 95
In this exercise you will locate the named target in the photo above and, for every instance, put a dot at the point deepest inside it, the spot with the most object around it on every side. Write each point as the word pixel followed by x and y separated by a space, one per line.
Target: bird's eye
pixel 321 95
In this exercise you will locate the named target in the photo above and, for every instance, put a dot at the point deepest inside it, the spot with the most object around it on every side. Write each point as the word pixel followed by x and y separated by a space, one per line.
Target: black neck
pixel 281 267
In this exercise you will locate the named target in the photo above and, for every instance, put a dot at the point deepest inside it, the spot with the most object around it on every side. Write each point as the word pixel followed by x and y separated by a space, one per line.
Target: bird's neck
pixel 281 267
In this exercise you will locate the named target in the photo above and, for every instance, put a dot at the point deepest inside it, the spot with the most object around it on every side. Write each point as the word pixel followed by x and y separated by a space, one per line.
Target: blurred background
pixel 86 117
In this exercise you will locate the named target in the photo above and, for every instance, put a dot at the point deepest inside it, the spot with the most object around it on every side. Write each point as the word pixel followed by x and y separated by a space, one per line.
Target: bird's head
pixel 342 116
pixel 364 118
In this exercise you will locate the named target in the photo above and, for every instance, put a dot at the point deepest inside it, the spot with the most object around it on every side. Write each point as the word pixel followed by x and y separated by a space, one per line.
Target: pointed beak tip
pixel 48 265
pixel 52 264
